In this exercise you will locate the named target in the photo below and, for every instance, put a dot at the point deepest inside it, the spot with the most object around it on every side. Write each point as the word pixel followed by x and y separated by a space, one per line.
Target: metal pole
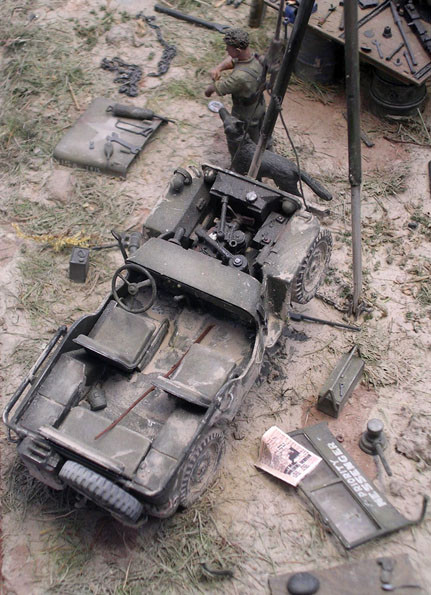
pixel 354 140
pixel 281 83
pixel 257 11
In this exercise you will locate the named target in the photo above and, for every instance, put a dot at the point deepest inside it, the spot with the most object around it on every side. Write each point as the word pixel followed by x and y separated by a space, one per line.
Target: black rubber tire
pixel 101 491
pixel 200 466
pixel 312 269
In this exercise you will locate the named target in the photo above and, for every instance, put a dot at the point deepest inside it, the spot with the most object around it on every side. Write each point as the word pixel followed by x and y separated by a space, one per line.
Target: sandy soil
pixel 271 530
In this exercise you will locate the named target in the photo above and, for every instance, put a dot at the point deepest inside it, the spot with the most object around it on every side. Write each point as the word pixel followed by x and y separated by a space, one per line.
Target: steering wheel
pixel 133 288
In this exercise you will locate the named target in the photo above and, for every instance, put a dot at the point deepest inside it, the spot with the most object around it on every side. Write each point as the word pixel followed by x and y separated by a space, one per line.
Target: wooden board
pixel 330 29
pixel 362 577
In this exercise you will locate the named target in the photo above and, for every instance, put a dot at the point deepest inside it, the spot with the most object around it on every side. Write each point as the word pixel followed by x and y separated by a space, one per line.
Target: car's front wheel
pixel 101 491
pixel 200 466
pixel 310 273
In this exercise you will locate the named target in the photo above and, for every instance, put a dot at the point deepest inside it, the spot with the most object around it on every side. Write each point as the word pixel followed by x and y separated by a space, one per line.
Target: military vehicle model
pixel 128 406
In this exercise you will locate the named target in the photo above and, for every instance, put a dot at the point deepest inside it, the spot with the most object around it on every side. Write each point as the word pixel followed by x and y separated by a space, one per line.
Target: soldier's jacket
pixel 242 84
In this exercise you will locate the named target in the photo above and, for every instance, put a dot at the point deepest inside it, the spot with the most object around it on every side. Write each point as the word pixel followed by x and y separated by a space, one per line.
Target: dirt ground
pixel 247 523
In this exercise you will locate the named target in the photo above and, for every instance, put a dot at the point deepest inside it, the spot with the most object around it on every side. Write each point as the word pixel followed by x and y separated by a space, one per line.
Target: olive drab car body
pixel 179 341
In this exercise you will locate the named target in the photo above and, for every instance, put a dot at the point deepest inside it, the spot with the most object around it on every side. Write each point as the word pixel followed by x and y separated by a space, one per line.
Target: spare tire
pixel 101 491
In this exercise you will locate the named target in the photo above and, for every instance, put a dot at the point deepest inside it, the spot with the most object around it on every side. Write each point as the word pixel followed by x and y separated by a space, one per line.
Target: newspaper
pixel 285 458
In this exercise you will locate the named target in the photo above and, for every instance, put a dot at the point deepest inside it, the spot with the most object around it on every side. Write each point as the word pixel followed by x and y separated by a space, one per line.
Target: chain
pixel 169 51
pixel 129 75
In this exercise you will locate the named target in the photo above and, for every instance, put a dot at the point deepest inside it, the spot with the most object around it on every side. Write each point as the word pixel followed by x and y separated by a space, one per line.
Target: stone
pixel 60 185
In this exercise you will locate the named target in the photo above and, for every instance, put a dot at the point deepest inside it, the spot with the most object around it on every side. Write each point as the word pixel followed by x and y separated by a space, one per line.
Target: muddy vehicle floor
pixel 247 522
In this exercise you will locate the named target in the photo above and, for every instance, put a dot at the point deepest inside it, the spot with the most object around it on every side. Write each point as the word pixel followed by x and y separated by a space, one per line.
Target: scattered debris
pixel 191 19
pixel 304 317
pixel 348 502
pixel 284 458
pixel 341 383
pixel 373 441
pixel 360 577
pixel 93 143
pixel 128 77
pixel 57 241
pixel 78 264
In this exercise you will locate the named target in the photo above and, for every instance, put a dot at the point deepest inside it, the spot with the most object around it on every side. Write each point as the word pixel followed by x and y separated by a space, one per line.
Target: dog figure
pixel 283 171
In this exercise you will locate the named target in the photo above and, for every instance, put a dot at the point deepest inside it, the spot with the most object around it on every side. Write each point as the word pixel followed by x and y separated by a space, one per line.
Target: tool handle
pixel 185 17
pixel 305 317
pixel 129 111
pixel 385 463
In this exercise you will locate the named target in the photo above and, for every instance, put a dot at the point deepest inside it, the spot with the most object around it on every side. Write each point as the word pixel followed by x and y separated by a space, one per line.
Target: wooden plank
pixel 330 30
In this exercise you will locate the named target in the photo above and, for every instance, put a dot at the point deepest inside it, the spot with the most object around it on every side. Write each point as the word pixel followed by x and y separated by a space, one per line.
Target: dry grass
pixel 413 130
pixel 93 204
pixel 44 72
pixel 164 556
pixel 92 209
pixel 387 362
pixel 313 90
pixel 385 182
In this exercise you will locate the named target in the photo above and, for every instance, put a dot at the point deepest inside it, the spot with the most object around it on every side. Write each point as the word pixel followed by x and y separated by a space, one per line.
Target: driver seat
pixel 123 338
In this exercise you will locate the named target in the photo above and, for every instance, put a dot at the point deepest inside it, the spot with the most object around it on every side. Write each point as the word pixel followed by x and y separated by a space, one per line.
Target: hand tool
pixel 373 441
pixel 396 50
pixel 409 62
pixel 364 137
pixel 379 49
pixel 387 565
pixel 371 15
pixel 397 21
pixel 304 317
pixel 191 19
pixel 423 71
pixel 114 138
pixel 323 20
pixel 136 113
pixel 133 128
pixel 108 149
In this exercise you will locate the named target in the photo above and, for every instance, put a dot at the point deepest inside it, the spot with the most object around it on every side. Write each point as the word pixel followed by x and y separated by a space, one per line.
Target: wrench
pixel 114 138
pixel 396 50
pixel 379 49
pixel 133 128
pixel 191 19
pixel 323 20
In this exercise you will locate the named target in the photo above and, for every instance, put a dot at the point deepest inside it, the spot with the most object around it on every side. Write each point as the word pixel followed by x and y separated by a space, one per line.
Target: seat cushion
pixel 119 337
pixel 200 376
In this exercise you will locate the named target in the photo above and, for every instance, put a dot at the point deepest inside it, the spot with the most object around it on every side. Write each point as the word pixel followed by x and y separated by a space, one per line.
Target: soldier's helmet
pixel 237 38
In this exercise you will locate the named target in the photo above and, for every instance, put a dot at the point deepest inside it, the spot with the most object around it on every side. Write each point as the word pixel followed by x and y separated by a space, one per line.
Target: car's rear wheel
pixel 310 273
pixel 101 491
pixel 200 466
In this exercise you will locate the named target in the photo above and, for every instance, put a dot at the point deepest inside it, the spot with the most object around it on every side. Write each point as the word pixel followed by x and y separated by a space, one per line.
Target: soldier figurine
pixel 244 82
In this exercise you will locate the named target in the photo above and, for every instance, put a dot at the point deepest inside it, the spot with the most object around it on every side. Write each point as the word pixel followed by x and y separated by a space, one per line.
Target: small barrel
pixel 391 97
pixel 319 59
